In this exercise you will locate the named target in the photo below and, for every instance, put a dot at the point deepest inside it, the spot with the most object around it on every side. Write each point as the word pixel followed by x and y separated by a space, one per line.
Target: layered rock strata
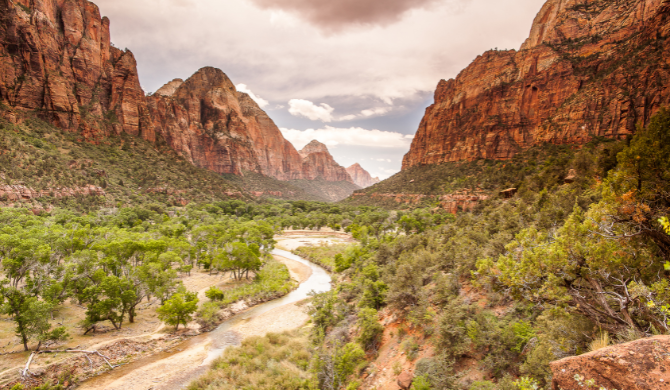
pixel 361 177
pixel 317 162
pixel 19 193
pixel 56 59
pixel 590 68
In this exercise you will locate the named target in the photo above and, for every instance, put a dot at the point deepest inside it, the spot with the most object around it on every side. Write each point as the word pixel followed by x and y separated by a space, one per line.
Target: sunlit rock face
pixel 588 69
pixel 361 177
pixel 318 162
pixel 56 58
pixel 215 127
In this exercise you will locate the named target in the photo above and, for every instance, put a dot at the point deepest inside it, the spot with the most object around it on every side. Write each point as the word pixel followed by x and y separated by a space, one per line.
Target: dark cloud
pixel 335 15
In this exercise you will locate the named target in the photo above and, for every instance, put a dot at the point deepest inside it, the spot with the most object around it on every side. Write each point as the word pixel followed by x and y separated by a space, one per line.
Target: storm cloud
pixel 335 15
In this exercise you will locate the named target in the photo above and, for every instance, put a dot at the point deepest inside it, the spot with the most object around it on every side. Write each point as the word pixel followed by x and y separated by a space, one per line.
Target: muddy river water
pixel 189 360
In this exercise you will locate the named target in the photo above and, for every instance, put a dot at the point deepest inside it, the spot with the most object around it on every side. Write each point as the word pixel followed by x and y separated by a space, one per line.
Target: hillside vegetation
pixel 129 170
pixel 487 300
pixel 541 167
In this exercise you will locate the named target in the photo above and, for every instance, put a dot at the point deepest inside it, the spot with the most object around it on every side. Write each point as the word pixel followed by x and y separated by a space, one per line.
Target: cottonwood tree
pixel 30 315
pixel 179 309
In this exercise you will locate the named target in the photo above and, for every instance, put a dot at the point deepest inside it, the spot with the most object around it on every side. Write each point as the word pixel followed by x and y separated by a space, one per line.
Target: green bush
pixel 421 383
pixel 214 294
pixel 370 328
pixel 411 348
pixel 483 385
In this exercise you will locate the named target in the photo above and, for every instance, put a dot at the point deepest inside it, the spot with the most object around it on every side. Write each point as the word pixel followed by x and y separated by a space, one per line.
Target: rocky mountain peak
pixel 205 80
pixel 361 177
pixel 170 88
pixel 314 147
pixel 572 80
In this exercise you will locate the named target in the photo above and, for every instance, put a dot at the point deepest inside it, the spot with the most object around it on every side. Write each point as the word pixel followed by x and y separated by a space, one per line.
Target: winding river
pixel 191 359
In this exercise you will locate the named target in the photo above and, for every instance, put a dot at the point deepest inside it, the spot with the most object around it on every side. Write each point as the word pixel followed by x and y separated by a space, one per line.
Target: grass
pixel 323 255
pixel 600 342
pixel 276 361
pixel 272 281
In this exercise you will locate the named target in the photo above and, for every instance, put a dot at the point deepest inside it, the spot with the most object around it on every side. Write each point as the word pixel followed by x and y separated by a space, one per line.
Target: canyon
pixel 588 69
pixel 57 60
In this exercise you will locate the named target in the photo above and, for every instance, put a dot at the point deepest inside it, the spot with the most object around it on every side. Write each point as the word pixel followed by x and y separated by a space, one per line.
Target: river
pixel 189 360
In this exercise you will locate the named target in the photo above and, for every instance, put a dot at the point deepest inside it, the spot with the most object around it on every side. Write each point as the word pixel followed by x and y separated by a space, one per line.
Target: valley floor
pixel 175 362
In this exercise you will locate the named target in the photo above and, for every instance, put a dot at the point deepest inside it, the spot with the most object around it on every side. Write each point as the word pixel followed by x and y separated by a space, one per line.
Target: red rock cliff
pixel 215 127
pixel 361 177
pixel 589 68
pixel 56 58
pixel 318 162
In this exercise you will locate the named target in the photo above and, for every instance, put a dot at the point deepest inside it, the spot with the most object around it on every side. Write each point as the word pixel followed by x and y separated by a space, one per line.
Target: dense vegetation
pixel 111 260
pixel 130 171
pixel 535 169
pixel 556 271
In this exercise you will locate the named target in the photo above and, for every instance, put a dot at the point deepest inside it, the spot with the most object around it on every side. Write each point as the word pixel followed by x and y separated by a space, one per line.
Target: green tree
pixel 640 186
pixel 109 299
pixel 31 317
pixel 179 309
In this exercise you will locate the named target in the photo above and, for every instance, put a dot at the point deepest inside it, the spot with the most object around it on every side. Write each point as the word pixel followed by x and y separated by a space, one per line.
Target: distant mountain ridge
pixel 57 59
pixel 588 69
pixel 319 163
pixel 361 177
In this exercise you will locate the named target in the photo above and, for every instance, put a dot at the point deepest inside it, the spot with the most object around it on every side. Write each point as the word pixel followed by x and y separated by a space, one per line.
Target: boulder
pixel 572 176
pixel 405 380
pixel 639 365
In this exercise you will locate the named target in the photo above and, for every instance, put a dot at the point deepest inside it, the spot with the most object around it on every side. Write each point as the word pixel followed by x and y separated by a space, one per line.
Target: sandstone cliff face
pixel 589 68
pixel 56 57
pixel 361 177
pixel 170 88
pixel 640 365
pixel 215 127
pixel 317 162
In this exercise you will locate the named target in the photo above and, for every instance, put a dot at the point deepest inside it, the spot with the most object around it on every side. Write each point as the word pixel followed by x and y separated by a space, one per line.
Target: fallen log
pixel 26 371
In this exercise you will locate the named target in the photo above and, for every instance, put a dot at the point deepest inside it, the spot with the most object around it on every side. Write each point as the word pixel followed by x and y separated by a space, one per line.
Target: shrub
pixel 526 383
pixel 421 383
pixel 214 294
pixel 483 385
pixel 370 329
pixel 411 348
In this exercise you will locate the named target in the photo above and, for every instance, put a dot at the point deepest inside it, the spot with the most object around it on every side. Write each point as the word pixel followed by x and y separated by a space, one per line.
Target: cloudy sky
pixel 354 74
